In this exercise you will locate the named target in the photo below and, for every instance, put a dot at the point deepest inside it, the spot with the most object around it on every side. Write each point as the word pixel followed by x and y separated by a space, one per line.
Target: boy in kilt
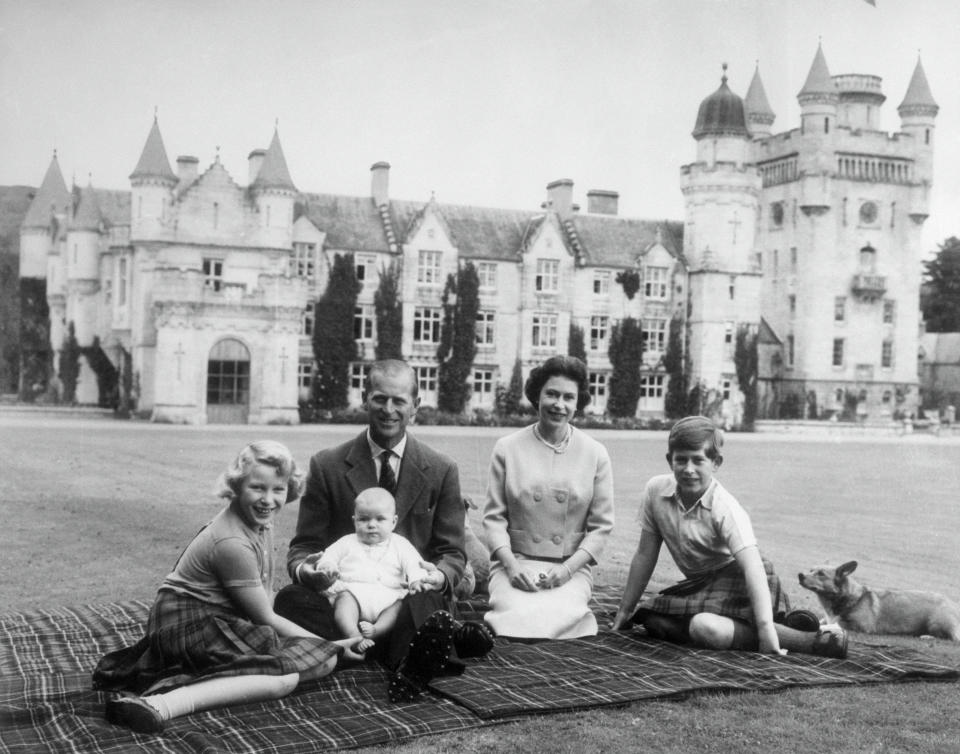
pixel 730 593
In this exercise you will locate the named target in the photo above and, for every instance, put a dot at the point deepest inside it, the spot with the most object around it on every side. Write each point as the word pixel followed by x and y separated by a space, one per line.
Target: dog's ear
pixel 846 569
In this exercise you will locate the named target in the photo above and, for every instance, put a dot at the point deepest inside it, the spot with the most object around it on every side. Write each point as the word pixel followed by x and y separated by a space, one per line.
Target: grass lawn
pixel 98 511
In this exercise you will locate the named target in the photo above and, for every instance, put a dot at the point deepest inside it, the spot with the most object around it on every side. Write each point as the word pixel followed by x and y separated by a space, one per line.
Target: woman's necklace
pixel 559 447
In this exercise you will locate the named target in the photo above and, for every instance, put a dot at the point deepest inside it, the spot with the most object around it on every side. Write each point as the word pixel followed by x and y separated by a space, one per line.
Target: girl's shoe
pixel 134 713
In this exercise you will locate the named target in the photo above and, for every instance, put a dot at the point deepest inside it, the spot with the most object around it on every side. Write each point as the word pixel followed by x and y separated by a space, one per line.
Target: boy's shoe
pixel 134 713
pixel 801 620
pixel 830 644
pixel 426 658
pixel 472 639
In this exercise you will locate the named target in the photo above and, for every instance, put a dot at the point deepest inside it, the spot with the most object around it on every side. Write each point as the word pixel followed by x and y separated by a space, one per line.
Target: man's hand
pixel 434 580
pixel 312 577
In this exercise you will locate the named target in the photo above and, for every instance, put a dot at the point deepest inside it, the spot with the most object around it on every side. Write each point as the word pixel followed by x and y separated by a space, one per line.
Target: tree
pixel 509 398
pixel 389 313
pixel 334 345
pixel 458 339
pixel 34 338
pixel 941 296
pixel 746 360
pixel 675 401
pixel 626 356
pixel 629 281
pixel 70 364
pixel 575 343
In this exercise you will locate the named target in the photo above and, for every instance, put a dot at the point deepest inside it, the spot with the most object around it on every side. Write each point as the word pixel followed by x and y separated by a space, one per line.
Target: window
pixel 228 374
pixel 868 213
pixel 790 350
pixel 363 322
pixel 544 331
pixel 655 281
pixel 487 274
pixel 597 387
pixel 305 375
pixel 122 281
pixel 886 354
pixel 838 352
pixel 889 311
pixel 307 319
pixel 358 375
pixel 599 331
pixel 868 259
pixel 651 385
pixel 483 384
pixel 725 384
pixel 601 282
pixel 776 260
pixel 728 338
pixel 654 335
pixel 839 308
pixel 216 212
pixel 426 378
pixel 776 214
pixel 793 260
pixel 792 305
pixel 426 324
pixel 485 328
pixel 428 267
pixel 366 267
pixel 213 273
pixel 107 291
pixel 548 275
pixel 732 287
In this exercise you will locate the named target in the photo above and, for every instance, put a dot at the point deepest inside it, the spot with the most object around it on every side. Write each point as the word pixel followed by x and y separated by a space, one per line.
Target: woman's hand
pixel 557 576
pixel 521 578
pixel 622 620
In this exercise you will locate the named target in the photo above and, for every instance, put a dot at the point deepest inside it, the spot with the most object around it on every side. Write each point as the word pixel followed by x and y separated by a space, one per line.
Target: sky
pixel 475 102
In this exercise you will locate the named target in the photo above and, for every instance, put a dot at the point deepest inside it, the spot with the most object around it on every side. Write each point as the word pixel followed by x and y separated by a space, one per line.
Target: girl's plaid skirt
pixel 188 640
pixel 721 592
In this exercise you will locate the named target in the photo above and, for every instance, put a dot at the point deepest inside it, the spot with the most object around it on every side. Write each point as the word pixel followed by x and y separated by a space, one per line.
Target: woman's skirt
pixel 188 640
pixel 559 613
pixel 721 592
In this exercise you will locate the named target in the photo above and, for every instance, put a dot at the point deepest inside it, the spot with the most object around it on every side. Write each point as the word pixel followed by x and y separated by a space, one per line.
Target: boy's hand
pixel 622 621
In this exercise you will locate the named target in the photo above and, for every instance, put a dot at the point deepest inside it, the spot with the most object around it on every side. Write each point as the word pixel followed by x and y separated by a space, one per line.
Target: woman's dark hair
pixel 558 366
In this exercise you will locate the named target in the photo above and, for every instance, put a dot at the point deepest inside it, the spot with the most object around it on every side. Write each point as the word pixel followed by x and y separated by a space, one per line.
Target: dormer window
pixel 868 259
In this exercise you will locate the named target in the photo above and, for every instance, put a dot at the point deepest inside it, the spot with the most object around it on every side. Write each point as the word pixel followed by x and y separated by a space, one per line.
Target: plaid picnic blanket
pixel 46 701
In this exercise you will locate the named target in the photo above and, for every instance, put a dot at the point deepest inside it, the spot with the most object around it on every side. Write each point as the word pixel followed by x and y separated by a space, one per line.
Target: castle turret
pixel 152 183
pixel 760 115
pixel 721 196
pixel 918 113
pixel 274 193
pixel 818 99
pixel 40 226
pixel 83 264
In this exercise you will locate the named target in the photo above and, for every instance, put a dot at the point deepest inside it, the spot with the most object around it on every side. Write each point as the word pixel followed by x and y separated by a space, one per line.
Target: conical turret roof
pixel 86 215
pixel 756 104
pixel 918 92
pixel 818 79
pixel 273 173
pixel 153 160
pixel 721 114
pixel 52 194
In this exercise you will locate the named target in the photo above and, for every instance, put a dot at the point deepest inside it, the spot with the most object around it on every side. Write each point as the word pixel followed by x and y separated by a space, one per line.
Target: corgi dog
pixel 881 611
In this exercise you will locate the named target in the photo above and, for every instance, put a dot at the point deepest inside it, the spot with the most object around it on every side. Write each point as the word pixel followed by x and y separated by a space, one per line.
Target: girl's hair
pixel 695 432
pixel 558 366
pixel 269 453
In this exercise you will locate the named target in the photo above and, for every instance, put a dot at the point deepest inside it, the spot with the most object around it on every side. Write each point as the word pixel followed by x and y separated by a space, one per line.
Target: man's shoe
pixel 830 644
pixel 426 658
pixel 472 639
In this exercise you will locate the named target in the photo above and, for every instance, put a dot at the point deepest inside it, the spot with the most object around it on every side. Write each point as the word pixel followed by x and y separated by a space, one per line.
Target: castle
pixel 203 288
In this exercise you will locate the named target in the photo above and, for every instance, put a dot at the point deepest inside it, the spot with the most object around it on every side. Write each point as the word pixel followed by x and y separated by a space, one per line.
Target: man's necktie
pixel 388 480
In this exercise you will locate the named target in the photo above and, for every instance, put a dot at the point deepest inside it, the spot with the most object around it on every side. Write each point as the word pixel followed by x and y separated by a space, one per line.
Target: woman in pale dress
pixel 548 513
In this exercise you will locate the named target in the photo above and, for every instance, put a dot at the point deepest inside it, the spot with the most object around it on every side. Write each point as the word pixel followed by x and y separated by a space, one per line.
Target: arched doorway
pixel 228 383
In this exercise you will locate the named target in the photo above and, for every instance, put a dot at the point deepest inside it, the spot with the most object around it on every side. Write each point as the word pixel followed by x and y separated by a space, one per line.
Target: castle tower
pixel 918 113
pixel 274 193
pixel 152 183
pixel 760 115
pixel 818 125
pixel 39 229
pixel 721 197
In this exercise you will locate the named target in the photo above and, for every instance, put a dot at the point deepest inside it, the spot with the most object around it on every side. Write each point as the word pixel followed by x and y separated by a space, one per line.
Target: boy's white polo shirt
pixel 704 537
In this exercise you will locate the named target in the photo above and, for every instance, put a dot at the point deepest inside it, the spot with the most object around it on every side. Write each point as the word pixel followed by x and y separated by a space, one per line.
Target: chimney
pixel 380 183
pixel 187 168
pixel 560 197
pixel 254 162
pixel 601 202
